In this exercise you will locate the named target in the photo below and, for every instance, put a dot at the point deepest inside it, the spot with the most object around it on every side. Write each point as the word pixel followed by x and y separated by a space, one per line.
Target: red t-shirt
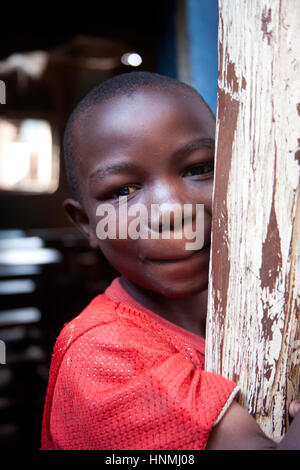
pixel 122 377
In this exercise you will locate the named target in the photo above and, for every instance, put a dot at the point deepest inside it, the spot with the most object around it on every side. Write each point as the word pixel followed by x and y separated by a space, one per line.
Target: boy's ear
pixel 79 218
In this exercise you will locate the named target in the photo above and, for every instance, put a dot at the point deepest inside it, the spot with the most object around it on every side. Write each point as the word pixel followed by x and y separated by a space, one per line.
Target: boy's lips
pixel 177 256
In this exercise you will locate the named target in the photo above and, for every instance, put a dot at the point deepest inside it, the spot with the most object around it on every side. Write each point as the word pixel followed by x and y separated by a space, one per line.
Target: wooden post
pixel 253 331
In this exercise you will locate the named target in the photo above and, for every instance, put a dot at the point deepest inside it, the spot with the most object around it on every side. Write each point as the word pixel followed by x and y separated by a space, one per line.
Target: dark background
pixel 144 27
pixel 63 286
pixel 141 24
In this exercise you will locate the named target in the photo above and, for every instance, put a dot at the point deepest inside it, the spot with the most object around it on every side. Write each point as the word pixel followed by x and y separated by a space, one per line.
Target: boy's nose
pixel 169 210
pixel 170 216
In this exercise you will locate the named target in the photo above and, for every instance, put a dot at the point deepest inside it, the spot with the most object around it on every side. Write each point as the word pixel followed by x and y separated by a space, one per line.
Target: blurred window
pixel 29 158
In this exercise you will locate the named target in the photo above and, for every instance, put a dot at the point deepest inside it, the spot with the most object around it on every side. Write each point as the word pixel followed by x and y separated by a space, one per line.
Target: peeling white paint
pixel 259 335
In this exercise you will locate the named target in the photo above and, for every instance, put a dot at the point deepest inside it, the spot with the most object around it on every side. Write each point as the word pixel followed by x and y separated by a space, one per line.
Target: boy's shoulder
pixel 111 321
pixel 115 326
pixel 100 311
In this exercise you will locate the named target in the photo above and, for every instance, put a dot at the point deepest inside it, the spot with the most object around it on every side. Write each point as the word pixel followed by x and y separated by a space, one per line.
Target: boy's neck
pixel 188 312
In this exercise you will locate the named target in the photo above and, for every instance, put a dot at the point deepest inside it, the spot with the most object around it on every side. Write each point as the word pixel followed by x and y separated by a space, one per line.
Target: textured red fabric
pixel 122 377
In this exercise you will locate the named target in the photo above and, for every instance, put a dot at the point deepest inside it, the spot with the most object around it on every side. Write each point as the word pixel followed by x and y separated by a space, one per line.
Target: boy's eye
pixel 200 169
pixel 124 191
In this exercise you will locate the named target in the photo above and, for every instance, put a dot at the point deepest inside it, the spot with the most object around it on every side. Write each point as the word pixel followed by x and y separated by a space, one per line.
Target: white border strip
pixel 227 404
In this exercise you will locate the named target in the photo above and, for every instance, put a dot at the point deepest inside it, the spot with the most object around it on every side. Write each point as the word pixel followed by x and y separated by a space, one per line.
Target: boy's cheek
pixel 117 249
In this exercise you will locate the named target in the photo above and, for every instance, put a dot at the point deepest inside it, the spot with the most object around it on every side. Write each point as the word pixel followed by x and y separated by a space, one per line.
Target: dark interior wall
pixel 145 26
pixel 35 211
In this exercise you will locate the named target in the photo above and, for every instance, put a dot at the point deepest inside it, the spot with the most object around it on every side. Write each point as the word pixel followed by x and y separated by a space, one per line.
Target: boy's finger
pixel 294 408
pixel 276 439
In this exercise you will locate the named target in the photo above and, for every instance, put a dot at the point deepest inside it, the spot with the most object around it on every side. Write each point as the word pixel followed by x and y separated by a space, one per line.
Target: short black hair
pixel 123 84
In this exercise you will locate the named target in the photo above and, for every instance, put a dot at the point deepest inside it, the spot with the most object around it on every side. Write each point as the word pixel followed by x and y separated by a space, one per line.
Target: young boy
pixel 128 372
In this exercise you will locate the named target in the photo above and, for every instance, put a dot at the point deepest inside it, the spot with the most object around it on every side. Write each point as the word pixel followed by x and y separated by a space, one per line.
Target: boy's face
pixel 149 132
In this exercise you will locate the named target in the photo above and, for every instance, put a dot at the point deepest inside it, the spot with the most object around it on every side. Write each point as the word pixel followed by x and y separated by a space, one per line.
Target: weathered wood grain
pixel 253 332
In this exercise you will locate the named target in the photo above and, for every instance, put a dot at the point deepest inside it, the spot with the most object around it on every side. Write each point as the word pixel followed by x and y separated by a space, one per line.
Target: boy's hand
pixel 238 430
pixel 294 408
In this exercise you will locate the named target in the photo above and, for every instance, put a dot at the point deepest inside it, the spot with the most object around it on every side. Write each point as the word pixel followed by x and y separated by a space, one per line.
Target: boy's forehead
pixel 122 113
pixel 143 117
